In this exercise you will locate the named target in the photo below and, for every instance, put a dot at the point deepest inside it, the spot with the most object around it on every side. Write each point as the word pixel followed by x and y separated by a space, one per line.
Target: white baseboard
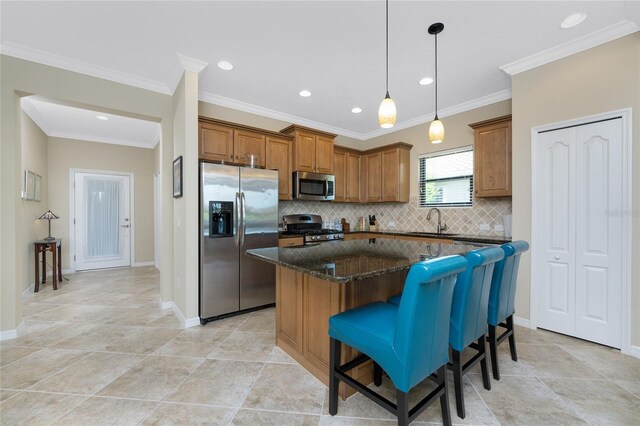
pixel 137 264
pixel 522 322
pixel 185 322
pixel 634 351
pixel 29 289
pixel 12 334
pixel 165 305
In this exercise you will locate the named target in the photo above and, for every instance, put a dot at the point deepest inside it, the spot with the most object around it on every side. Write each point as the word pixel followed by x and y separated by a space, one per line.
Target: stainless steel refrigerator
pixel 239 211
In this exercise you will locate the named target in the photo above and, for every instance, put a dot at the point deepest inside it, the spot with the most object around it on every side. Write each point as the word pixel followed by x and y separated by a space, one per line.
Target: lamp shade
pixel 436 131
pixel 48 215
pixel 387 113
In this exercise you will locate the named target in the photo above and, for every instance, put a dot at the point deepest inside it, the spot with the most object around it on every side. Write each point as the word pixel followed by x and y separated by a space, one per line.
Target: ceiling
pixel 69 122
pixel 335 49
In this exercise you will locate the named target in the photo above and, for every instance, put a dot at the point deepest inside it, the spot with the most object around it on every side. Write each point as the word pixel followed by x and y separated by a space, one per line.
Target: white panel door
pixel 599 232
pixel 102 221
pixel 580 184
pixel 557 182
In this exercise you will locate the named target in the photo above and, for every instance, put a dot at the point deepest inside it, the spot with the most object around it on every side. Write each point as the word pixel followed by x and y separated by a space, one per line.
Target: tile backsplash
pixel 408 217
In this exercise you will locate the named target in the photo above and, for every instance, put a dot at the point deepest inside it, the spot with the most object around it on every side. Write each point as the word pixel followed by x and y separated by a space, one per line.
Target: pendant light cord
pixel 436 75
pixel 387 41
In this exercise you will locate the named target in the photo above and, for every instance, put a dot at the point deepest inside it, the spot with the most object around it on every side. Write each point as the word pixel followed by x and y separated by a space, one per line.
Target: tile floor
pixel 100 351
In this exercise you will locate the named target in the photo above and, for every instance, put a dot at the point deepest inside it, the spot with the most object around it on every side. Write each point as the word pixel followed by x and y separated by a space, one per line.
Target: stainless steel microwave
pixel 314 186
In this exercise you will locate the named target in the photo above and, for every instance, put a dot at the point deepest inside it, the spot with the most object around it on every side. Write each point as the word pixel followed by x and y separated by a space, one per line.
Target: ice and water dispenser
pixel 220 219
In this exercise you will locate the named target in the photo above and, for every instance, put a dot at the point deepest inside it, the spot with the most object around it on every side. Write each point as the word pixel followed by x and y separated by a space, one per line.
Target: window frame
pixel 422 203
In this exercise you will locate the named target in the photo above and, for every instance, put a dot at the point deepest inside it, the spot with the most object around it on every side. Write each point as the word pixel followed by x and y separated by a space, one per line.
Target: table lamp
pixel 48 216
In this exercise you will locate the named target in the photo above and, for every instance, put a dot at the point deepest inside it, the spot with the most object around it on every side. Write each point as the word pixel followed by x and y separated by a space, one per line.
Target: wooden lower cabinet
pixel 291 242
pixel 303 306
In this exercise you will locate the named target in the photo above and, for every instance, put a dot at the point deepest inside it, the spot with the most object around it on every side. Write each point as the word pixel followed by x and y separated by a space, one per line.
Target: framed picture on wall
pixel 37 193
pixel 30 182
pixel 177 177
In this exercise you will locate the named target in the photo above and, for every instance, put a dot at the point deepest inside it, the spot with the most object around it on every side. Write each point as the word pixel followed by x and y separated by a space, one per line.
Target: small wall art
pixel 177 177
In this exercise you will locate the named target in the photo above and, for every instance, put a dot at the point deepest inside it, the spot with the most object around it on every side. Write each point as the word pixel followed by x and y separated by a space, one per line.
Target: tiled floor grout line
pixel 264 364
pixel 481 398
pixel 564 402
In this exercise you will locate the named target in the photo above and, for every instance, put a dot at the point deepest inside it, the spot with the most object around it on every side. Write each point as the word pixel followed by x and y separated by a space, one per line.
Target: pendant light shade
pixel 436 130
pixel 387 113
pixel 387 110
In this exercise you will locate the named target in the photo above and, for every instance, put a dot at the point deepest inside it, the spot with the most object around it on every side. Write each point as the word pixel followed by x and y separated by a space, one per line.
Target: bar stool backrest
pixel 503 284
pixel 471 297
pixel 421 337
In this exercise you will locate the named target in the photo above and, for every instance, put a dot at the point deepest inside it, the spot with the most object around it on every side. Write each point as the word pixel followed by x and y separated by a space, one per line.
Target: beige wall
pixel 259 121
pixel 34 147
pixel 457 134
pixel 598 80
pixel 66 154
pixel 21 78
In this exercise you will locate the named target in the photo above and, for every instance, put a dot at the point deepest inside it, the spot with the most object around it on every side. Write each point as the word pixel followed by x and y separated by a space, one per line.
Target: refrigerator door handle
pixel 244 219
pixel 237 233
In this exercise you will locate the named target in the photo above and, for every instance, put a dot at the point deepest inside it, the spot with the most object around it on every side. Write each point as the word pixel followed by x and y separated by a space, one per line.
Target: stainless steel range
pixel 310 226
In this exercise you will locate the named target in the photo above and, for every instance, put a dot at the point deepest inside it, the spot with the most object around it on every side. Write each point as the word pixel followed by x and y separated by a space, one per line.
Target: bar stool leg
pixel 493 347
pixel 334 362
pixel 402 408
pixel 457 382
pixel 444 399
pixel 512 338
pixel 377 374
pixel 483 363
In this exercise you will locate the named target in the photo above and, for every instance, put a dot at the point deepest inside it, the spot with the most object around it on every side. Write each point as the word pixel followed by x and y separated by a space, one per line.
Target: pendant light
pixel 436 130
pixel 387 111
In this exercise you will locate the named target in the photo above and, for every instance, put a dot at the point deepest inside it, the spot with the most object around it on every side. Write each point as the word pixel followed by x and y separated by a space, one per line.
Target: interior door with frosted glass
pixel 102 221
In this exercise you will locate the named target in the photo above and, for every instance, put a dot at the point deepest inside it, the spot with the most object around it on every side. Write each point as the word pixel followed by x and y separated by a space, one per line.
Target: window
pixel 446 178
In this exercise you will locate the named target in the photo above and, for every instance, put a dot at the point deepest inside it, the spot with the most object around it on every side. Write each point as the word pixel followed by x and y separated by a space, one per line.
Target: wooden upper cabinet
pixel 354 172
pixel 387 173
pixel 324 154
pixel 373 182
pixel 492 157
pixel 312 149
pixel 278 157
pixel 340 172
pixel 247 142
pixel 216 142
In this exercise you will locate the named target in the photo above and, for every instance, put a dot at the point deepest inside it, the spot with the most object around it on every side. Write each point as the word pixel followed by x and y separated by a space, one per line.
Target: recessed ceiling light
pixel 102 117
pixel 573 20
pixel 224 65
pixel 356 110
pixel 305 93
pixel 425 81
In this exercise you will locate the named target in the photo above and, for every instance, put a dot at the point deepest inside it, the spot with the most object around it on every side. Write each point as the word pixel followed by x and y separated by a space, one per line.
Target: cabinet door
pixel 216 142
pixel 390 175
pixel 340 172
pixel 305 152
pixel 278 157
pixel 373 188
pixel 492 160
pixel 324 154
pixel 245 143
pixel 353 178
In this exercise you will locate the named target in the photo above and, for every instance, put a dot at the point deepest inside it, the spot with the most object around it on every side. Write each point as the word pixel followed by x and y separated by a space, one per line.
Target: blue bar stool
pixel 408 341
pixel 468 321
pixel 469 317
pixel 502 300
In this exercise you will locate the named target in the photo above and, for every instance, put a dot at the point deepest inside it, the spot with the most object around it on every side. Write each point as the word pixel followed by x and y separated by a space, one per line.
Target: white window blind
pixel 446 178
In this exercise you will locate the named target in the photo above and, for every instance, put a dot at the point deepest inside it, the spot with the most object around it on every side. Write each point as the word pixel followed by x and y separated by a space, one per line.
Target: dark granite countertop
pixel 344 261
pixel 472 238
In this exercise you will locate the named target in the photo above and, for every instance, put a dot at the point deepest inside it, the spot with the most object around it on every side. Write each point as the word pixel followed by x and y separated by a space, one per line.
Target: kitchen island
pixel 316 282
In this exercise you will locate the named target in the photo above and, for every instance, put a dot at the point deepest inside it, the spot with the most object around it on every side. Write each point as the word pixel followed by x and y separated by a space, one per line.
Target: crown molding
pixel 63 62
pixel 588 41
pixel 99 139
pixel 192 64
pixel 30 109
pixel 452 110
pixel 266 112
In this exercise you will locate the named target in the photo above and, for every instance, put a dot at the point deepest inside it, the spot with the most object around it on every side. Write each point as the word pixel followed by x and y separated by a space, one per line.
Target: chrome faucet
pixel 440 226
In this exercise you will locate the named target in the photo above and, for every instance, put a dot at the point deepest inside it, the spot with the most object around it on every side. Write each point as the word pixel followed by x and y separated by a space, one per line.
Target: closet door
pixel 556 295
pixel 599 232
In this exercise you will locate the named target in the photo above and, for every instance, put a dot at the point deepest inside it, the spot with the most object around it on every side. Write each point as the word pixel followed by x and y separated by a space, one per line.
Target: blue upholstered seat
pixel 502 301
pixel 468 321
pixel 409 341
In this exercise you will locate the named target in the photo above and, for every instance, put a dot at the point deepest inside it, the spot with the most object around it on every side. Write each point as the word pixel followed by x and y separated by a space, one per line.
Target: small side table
pixel 55 247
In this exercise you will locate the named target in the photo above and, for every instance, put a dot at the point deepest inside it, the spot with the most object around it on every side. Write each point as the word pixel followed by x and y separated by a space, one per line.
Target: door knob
pixel 125 226
pixel 556 257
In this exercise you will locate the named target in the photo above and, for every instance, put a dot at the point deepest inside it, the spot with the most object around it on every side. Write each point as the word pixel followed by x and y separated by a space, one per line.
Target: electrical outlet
pixel 392 224
pixel 498 228
pixel 485 227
